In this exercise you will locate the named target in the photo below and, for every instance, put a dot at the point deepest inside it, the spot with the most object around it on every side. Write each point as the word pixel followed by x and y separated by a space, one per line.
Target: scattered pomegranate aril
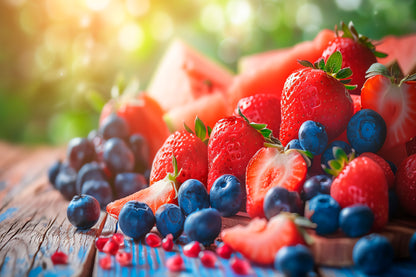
pixel 119 238
pixel 124 258
pixel 224 251
pixel 106 262
pixel 100 242
pixel 59 257
pixel 167 242
pixel 192 249
pixel 153 240
pixel 175 263
pixel 111 247
pixel 240 266
pixel 208 258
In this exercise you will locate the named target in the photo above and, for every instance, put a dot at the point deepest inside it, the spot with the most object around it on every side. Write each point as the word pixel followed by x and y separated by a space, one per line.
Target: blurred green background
pixel 60 58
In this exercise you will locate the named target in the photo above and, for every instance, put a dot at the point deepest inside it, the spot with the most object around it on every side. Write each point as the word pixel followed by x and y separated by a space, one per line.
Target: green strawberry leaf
pixel 209 131
pixel 321 64
pixel 344 73
pixel 350 87
pixel 306 63
pixel 200 129
pixel 258 126
pixel 334 62
pixel 266 132
pixel 189 130
pixel 380 54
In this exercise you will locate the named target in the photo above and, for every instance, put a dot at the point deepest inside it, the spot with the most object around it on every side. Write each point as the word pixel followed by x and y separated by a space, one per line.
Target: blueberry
pixel 294 260
pixel 192 196
pixel 226 195
pixel 128 183
pixel 80 151
pixel 356 220
pixel 136 219
pixel 89 171
pixel 373 254
pixel 412 247
pixel 65 181
pixel 140 149
pixel 318 184
pixel 279 199
pixel 83 211
pixel 114 126
pixel 100 189
pixel 313 137
pixel 118 156
pixel 366 131
pixel 328 154
pixel 170 220
pixel 294 144
pixel 53 171
pixel 324 211
pixel 203 226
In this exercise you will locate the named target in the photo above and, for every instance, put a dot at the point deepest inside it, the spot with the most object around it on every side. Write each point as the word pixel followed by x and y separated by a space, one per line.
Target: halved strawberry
pixel 271 167
pixel 394 100
pixel 260 240
pixel 161 192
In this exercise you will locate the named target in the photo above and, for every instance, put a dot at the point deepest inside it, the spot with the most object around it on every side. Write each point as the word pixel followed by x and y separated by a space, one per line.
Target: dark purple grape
pixel 117 156
pixel 80 151
pixel 100 190
pixel 90 171
pixel 128 183
pixel 65 181
pixel 140 149
pixel 114 126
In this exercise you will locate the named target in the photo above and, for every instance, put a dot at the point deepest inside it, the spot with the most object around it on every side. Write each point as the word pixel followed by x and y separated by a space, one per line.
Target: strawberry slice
pixel 394 100
pixel 161 192
pixel 271 167
pixel 260 240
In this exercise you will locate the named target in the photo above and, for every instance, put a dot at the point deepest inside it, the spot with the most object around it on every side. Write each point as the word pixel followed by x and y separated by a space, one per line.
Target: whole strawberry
pixel 360 181
pixel 394 98
pixel 231 145
pixel 406 184
pixel 357 51
pixel 190 150
pixel 317 92
pixel 261 108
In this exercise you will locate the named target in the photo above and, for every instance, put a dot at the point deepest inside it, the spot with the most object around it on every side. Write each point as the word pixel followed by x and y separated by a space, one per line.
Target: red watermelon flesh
pixel 184 75
pixel 270 72
pixel 401 49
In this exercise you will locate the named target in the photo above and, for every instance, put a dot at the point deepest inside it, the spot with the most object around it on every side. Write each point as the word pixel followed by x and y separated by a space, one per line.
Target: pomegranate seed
pixel 153 240
pixel 124 258
pixel 119 238
pixel 59 258
pixel 208 258
pixel 175 263
pixel 167 242
pixel 224 251
pixel 100 242
pixel 111 247
pixel 192 249
pixel 106 262
pixel 240 266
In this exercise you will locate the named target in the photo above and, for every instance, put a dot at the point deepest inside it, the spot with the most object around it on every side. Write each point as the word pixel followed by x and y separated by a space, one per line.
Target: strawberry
pixel 260 240
pixel 394 100
pixel 384 165
pixel 357 51
pixel 406 184
pixel 315 93
pixel 271 167
pixel 411 146
pixel 190 150
pixel 261 108
pixel 360 181
pixel 231 145
pixel 161 192
pixel 143 116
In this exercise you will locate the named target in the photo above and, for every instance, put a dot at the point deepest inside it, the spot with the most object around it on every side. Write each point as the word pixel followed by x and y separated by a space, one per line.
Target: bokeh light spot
pixel 137 7
pixel 238 11
pixel 130 37
pixel 162 26
pixel 309 18
pixel 348 5
pixel 212 18
pixel 228 50
pixel 97 5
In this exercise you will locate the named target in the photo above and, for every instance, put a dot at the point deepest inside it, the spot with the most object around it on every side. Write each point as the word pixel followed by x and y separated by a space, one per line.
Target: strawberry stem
pixel 201 131
pixel 341 159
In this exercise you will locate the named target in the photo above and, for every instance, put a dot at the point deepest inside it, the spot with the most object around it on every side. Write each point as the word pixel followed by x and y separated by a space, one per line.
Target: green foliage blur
pixel 59 58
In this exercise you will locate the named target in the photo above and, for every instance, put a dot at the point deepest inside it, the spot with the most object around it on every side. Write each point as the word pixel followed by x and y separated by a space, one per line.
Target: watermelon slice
pixel 401 49
pixel 184 75
pixel 268 72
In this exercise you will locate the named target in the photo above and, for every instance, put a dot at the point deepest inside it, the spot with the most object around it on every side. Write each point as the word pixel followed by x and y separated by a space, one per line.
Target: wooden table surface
pixel 33 225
